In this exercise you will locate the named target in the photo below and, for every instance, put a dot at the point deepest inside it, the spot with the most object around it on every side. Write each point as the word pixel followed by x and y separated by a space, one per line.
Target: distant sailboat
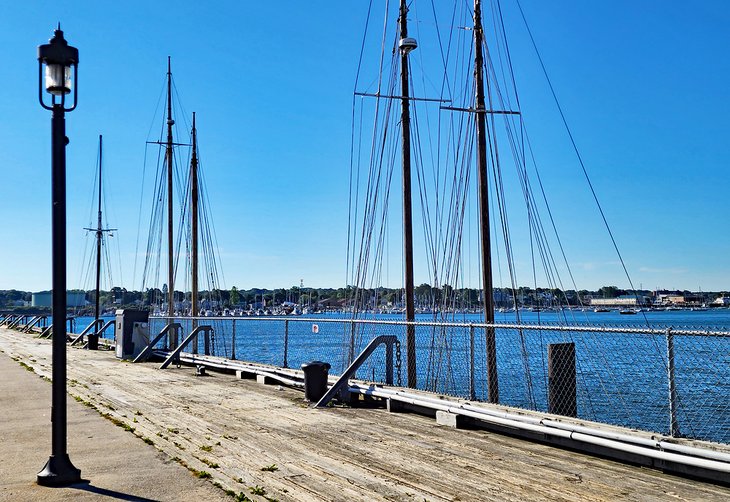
pixel 100 231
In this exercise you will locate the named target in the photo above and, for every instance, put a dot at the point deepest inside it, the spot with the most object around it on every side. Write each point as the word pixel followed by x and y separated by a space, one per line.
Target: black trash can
pixel 315 380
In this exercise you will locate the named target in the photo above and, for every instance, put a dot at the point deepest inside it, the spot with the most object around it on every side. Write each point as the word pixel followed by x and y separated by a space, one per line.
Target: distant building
pixel 45 299
pixel 722 301
pixel 679 299
pixel 621 301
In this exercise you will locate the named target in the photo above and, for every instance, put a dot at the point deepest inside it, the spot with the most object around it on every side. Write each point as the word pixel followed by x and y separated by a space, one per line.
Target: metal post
pixel 233 342
pixel 673 422
pixel 58 470
pixel 472 386
pixel 286 343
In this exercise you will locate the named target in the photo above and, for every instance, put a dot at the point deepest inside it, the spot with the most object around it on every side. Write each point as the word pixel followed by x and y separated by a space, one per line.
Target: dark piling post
pixel 233 341
pixel 561 380
pixel 286 343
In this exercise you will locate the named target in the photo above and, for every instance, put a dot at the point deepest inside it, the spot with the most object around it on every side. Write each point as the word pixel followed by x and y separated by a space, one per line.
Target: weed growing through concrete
pixel 257 490
pixel 209 463
pixel 27 368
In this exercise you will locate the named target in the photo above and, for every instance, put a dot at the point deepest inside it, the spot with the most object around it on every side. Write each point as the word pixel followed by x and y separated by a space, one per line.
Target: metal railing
pixel 670 381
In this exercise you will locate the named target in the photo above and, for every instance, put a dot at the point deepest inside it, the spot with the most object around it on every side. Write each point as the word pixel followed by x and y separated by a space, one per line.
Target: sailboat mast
pixel 94 341
pixel 194 222
pixel 486 250
pixel 99 233
pixel 407 206
pixel 168 160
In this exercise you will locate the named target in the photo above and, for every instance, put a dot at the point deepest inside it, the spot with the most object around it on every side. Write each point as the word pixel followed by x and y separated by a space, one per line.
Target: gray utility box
pixel 131 333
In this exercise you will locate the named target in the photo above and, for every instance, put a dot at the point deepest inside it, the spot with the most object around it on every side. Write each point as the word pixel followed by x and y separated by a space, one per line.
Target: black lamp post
pixel 58 58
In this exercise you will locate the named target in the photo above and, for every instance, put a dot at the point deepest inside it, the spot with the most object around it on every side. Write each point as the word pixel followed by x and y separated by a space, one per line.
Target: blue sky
pixel 643 86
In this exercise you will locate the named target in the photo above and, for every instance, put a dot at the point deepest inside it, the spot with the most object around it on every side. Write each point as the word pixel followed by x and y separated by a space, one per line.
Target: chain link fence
pixel 672 382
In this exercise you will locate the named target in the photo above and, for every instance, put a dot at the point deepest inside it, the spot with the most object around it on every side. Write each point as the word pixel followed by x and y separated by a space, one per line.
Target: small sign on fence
pixel 315 328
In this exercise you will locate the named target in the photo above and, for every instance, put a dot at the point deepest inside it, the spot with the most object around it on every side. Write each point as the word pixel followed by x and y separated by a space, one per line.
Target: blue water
pixel 622 378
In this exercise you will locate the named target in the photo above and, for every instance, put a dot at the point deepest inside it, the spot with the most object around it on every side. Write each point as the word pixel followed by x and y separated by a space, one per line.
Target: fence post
pixel 352 343
pixel 233 341
pixel 172 338
pixel 286 343
pixel 561 380
pixel 388 364
pixel 472 386
pixel 673 422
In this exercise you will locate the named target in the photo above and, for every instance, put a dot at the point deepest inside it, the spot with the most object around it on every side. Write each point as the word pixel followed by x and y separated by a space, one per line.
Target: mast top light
pixel 406 45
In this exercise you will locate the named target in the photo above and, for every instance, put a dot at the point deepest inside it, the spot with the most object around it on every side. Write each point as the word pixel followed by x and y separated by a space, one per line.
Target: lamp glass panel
pixel 58 79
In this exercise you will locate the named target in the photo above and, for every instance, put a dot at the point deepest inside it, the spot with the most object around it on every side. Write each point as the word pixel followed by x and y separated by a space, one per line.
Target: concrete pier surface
pixel 114 463
pixel 140 433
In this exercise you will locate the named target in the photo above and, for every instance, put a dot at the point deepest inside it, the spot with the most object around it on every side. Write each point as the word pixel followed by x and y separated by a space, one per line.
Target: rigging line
pixel 155 225
pixel 575 149
pixel 416 133
pixel 499 188
pixel 444 54
pixel 209 227
pixel 370 185
pixel 420 175
pixel 521 159
pixel 362 46
pixel 382 45
pixel 144 168
pixel 139 213
pixel 370 199
pixel 349 197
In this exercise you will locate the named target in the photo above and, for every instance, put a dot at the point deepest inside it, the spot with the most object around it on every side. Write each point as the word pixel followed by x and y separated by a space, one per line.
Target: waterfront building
pixel 45 299
pixel 621 301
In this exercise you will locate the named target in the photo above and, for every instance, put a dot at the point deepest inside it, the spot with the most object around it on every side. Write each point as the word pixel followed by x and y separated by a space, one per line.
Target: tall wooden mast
pixel 99 235
pixel 407 206
pixel 169 162
pixel 486 251
pixel 99 231
pixel 194 227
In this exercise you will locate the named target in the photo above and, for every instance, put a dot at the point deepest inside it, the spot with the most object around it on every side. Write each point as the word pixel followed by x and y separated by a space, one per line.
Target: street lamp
pixel 58 58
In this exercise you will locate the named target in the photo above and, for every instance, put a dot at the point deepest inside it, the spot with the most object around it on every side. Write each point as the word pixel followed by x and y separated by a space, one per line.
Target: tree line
pixel 426 295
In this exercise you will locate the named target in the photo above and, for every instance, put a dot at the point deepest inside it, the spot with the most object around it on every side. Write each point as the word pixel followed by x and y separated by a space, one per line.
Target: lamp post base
pixel 59 471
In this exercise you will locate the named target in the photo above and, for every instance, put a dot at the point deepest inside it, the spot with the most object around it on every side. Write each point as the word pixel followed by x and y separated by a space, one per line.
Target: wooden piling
pixel 561 380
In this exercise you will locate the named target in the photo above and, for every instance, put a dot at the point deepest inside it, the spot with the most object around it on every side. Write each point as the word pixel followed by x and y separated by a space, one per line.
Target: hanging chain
pixel 212 342
pixel 398 361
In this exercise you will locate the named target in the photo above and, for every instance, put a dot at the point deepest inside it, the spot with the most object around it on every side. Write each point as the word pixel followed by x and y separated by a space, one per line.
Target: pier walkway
pixel 117 465
pixel 264 442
